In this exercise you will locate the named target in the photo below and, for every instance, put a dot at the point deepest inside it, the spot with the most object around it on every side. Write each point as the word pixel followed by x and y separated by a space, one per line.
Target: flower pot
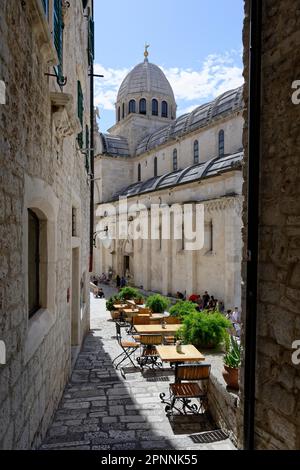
pixel 231 377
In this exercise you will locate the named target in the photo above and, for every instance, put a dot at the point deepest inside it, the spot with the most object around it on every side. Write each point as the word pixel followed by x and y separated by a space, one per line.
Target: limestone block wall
pixel 112 175
pixel 42 168
pixel 277 419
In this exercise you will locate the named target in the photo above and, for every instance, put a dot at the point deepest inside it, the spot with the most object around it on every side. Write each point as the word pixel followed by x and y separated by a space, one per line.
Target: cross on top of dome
pixel 146 53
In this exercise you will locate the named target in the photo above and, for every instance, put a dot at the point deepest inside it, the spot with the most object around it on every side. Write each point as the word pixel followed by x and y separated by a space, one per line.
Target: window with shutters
pixel 58 34
pixel 80 112
pixel 91 42
pixel 46 7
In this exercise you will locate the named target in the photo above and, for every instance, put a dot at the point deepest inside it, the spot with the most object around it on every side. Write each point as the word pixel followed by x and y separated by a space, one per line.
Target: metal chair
pixel 128 348
pixel 149 354
pixel 185 389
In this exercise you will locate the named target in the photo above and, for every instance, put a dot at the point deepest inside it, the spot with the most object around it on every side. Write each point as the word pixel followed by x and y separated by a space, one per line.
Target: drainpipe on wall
pixel 92 157
pixel 254 123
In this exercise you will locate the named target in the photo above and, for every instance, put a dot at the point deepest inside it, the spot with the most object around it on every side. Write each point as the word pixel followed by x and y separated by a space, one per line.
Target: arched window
pixel 164 109
pixel 143 106
pixel 196 152
pixel 155 166
pixel 123 110
pixel 119 113
pixel 131 108
pixel 154 107
pixel 221 143
pixel 175 160
pixel 139 172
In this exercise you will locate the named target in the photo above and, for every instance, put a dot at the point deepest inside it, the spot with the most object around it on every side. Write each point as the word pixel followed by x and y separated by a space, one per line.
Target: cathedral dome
pixel 146 91
pixel 145 78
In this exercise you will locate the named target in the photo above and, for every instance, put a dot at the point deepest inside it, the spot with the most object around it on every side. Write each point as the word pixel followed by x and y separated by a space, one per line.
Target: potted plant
pixel 204 329
pixel 182 308
pixel 129 293
pixel 114 299
pixel 157 303
pixel 232 362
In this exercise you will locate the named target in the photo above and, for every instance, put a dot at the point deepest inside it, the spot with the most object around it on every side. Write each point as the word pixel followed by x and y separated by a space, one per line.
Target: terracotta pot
pixel 231 377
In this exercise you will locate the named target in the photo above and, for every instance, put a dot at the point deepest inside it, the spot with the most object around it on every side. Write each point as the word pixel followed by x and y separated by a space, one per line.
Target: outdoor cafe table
pixel 129 311
pixel 119 306
pixel 189 354
pixel 157 329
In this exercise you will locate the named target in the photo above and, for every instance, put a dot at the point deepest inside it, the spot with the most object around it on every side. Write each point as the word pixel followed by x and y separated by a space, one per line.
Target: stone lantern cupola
pixel 145 103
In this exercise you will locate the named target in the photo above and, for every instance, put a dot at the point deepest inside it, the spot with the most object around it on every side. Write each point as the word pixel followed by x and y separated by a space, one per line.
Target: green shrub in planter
pixel 114 299
pixel 157 303
pixel 232 357
pixel 130 293
pixel 182 308
pixel 203 329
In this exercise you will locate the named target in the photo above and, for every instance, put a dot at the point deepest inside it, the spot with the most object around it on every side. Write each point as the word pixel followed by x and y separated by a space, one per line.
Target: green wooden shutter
pixel 80 112
pixel 87 145
pixel 58 33
pixel 91 43
pixel 46 6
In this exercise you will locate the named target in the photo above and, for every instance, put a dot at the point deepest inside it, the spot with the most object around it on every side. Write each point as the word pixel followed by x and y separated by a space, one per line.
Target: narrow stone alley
pixel 100 410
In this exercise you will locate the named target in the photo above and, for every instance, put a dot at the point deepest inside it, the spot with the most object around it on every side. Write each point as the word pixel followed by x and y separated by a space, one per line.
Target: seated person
pixel 100 294
pixel 194 298
pixel 180 296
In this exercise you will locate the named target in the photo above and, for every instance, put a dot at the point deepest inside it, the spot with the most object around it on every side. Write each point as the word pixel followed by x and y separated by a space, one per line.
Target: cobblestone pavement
pixel 100 410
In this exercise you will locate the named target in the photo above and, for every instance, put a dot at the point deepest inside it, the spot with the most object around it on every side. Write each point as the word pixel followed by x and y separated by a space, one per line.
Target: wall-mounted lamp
pixel 105 230
pixel 61 80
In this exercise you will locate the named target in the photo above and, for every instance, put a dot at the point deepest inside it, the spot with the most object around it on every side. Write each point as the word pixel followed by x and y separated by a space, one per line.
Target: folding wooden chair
pixel 128 348
pixel 185 389
pixel 149 354
pixel 171 339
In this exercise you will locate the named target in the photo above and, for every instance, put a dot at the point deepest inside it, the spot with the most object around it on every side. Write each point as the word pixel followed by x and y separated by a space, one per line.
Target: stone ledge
pixel 224 404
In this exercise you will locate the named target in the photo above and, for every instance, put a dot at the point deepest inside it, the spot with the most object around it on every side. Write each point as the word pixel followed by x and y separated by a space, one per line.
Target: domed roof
pixel 224 105
pixel 145 78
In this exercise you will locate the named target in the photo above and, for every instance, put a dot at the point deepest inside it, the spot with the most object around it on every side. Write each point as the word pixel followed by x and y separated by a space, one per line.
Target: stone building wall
pixel 277 418
pixel 41 168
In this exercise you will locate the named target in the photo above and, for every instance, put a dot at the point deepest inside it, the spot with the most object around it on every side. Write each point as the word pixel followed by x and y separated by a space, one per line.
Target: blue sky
pixel 198 44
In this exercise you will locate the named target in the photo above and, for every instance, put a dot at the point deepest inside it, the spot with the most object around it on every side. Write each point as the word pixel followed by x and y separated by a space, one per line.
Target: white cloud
pixel 217 74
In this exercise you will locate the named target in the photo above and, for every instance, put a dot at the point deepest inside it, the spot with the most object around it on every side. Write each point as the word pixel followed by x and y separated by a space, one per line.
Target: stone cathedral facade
pixel 152 157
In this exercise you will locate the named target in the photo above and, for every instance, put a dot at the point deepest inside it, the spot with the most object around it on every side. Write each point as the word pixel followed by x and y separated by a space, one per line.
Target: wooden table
pixel 157 329
pixel 189 353
pixel 119 306
pixel 130 311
